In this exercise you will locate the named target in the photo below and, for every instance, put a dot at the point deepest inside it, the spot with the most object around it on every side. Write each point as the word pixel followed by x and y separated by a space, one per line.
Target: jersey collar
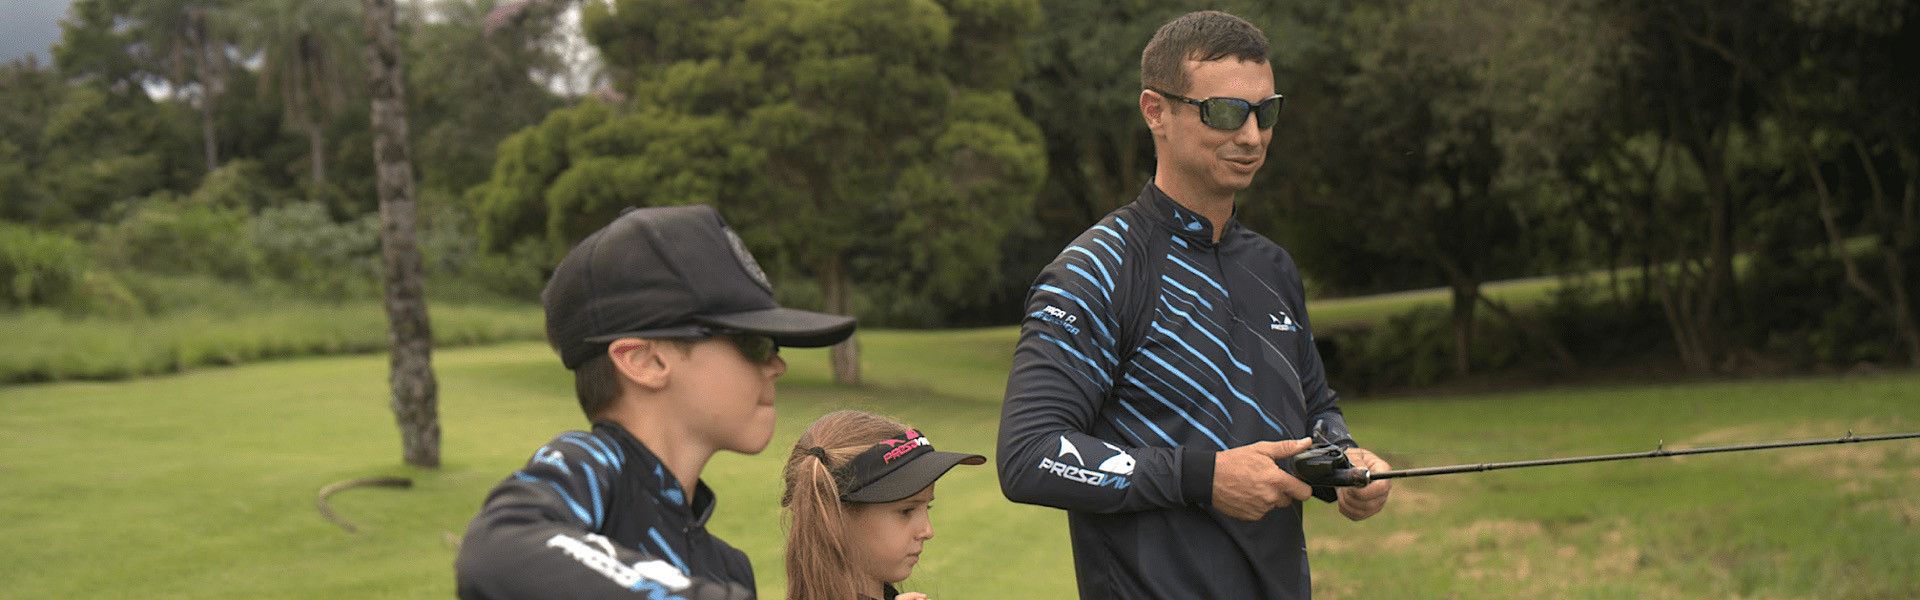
pixel 1184 223
pixel 659 483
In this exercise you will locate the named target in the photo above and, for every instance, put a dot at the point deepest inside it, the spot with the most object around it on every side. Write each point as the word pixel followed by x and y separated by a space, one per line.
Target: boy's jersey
pixel 596 515
pixel 1147 348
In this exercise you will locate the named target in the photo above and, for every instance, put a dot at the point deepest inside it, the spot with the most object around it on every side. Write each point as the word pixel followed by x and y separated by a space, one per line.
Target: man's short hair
pixel 597 383
pixel 1202 36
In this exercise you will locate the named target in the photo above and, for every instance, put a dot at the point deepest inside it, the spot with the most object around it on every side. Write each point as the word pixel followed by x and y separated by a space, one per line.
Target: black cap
pixel 669 272
pixel 898 468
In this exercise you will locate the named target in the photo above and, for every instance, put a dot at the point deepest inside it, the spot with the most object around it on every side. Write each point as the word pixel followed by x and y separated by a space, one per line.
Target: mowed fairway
pixel 202 485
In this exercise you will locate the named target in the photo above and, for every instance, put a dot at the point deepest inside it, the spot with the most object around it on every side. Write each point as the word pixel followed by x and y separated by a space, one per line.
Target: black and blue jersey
pixel 596 515
pixel 1146 348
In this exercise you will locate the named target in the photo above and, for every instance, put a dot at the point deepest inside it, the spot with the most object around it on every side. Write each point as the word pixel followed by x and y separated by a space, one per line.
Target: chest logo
pixel 1282 322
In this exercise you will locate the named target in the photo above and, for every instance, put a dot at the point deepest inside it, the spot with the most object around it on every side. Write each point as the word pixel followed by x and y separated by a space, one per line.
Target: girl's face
pixel 888 537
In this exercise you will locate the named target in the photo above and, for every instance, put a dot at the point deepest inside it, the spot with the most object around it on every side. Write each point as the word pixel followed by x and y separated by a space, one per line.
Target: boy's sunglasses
pixel 757 348
pixel 1231 113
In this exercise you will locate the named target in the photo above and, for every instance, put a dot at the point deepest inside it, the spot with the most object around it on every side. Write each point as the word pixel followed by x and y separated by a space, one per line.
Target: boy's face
pixel 729 399
pixel 890 536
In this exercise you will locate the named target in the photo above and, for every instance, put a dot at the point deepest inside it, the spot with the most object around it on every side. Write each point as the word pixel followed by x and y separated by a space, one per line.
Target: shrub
pixel 39 268
pixel 301 245
pixel 173 235
pixel 1800 307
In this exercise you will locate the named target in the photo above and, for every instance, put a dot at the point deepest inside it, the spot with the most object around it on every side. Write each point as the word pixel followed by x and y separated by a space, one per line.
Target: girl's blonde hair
pixel 820 560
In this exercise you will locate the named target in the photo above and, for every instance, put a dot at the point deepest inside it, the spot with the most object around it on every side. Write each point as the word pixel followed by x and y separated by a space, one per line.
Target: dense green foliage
pixel 1748 169
pixel 867 146
pixel 223 465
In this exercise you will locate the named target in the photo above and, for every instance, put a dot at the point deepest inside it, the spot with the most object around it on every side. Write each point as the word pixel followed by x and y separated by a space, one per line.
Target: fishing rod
pixel 1326 464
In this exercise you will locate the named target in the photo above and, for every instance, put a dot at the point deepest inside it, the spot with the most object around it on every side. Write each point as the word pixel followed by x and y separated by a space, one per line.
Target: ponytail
pixel 819 554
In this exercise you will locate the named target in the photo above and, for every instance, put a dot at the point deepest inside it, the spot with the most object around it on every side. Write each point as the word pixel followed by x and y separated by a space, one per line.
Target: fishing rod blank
pixel 1327 465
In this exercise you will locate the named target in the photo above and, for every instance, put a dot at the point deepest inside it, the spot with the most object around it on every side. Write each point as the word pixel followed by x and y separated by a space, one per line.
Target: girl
pixel 858 489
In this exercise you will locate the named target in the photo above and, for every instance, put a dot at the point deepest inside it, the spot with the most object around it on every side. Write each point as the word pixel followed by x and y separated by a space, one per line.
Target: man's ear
pixel 1154 109
pixel 641 361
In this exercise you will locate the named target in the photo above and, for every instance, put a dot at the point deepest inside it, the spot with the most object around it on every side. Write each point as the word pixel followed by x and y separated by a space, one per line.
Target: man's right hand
pixel 1248 482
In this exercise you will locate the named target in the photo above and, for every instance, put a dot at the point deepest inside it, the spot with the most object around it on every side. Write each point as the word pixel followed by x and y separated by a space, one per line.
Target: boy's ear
pixel 641 362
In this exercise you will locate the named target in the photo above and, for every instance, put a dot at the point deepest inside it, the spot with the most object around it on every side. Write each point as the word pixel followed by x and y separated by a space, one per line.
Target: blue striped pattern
pixel 667 549
pixel 609 458
pixel 1185 385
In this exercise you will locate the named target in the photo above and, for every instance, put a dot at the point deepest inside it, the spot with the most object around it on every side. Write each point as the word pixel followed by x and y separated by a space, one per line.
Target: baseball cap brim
pixel 787 326
pixel 912 477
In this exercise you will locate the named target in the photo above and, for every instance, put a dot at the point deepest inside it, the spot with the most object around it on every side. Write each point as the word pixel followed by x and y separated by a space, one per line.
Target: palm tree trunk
pixel 415 391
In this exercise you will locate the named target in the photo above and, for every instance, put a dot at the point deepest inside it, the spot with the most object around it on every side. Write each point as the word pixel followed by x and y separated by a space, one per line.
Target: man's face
pixel 1200 162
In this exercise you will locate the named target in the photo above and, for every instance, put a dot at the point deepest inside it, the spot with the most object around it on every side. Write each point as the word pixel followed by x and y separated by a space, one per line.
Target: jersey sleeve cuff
pixel 1196 476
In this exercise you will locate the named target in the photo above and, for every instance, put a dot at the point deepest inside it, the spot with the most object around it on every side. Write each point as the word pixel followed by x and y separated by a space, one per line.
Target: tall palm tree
pixel 306 56
pixel 415 392
pixel 185 43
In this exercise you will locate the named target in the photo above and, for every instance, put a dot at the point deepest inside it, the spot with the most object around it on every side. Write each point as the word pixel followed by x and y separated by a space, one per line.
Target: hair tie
pixel 820 453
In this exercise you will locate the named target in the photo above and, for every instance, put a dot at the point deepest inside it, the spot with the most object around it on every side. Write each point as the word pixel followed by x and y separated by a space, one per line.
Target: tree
pixel 469 88
pixel 180 45
pixel 306 58
pixel 1849 114
pixel 1430 127
pixel 1082 89
pixel 415 391
pixel 859 142
pixel 99 138
pixel 1690 86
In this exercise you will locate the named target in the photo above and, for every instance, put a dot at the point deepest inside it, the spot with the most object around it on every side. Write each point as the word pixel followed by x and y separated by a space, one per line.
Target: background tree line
pixel 1741 176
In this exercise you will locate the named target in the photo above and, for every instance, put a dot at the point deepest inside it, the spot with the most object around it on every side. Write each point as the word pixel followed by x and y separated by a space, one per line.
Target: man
pixel 673 336
pixel 1166 361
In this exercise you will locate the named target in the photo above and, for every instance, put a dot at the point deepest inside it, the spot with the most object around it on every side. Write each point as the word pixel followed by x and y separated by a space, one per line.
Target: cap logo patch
pixel 902 447
pixel 746 260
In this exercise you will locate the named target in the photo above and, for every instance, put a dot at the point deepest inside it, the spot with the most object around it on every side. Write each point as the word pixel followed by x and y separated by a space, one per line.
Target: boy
pixel 673 336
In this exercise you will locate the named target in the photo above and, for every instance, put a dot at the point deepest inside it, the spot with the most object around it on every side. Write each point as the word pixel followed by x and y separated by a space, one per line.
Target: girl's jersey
pixel 1147 348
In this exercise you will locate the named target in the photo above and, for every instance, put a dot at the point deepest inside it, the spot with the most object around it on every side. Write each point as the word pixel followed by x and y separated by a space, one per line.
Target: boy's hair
pixel 1202 36
pixel 597 383
pixel 819 558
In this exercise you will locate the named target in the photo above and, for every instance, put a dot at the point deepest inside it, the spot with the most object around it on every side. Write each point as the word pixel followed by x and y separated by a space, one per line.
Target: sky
pixel 33 26
pixel 30 27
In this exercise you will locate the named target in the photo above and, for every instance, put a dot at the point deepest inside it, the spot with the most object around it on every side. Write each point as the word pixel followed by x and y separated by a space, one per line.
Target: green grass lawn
pixel 201 485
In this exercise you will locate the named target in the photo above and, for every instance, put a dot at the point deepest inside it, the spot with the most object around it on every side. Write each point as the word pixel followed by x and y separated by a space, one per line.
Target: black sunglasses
pixel 1231 113
pixel 756 347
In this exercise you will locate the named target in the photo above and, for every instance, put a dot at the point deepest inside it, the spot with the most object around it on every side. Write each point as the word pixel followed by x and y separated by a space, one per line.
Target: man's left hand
pixel 1363 502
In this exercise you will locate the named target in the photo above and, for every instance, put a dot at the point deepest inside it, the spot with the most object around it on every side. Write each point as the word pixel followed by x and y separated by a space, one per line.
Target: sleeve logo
pixel 597 553
pixel 1054 315
pixel 1112 472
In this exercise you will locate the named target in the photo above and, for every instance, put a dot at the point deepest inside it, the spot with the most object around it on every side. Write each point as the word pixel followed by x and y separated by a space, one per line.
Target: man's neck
pixel 1216 207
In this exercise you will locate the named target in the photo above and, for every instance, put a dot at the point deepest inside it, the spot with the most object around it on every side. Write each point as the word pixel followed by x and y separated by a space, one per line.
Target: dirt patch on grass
pixel 1552 562
pixel 1498 532
pixel 1412 501
pixel 1854 464
pixel 1773 432
pixel 1399 541
pixel 1905 510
